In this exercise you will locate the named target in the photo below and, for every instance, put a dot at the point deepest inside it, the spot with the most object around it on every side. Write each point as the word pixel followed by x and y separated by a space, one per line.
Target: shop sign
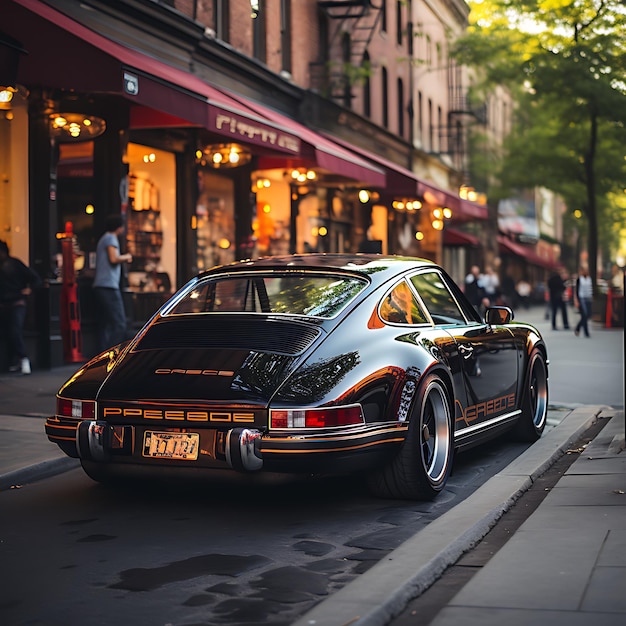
pixel 131 84
pixel 242 129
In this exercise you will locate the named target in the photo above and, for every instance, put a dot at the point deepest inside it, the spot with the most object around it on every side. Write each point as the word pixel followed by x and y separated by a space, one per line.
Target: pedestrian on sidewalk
pixel 106 284
pixel 474 290
pixel 17 281
pixel 556 287
pixel 583 299
pixel 524 291
pixel 491 285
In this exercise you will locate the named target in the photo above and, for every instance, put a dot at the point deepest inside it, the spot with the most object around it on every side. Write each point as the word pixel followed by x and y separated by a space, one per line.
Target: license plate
pixel 179 446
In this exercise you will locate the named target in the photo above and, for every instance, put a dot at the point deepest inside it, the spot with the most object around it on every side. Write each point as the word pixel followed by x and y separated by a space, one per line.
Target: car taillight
pixel 78 409
pixel 325 417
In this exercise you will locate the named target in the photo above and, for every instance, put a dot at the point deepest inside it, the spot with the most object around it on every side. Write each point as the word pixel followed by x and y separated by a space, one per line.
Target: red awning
pixel 454 237
pixel 402 182
pixel 525 252
pixel 321 151
pixel 469 210
pixel 462 210
pixel 65 54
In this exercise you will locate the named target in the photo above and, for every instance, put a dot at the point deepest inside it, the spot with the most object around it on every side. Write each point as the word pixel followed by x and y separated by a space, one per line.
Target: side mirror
pixel 497 315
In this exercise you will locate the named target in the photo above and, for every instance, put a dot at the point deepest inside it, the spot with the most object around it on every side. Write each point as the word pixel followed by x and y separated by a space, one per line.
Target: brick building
pixel 225 129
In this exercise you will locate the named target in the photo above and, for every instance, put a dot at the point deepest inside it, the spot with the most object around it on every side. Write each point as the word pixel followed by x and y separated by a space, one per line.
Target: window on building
pixel 441 130
pixel 399 22
pixel 431 129
pixel 367 87
pixel 258 15
pixel 420 117
pixel 383 16
pixel 409 25
pixel 221 19
pixel 400 108
pixel 285 34
pixel 346 54
pixel 385 97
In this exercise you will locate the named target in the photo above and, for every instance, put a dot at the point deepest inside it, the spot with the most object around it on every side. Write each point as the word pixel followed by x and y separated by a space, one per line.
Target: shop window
pixel 75 201
pixel 215 221
pixel 151 220
pixel 271 224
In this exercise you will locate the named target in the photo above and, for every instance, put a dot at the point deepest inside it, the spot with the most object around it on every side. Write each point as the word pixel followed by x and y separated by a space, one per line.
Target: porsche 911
pixel 316 364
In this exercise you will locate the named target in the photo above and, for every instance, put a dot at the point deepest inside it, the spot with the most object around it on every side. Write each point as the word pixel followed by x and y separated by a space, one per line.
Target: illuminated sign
pixel 237 127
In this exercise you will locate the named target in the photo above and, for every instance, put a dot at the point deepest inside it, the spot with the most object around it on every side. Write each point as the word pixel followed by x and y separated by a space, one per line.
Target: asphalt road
pixel 206 554
pixel 75 552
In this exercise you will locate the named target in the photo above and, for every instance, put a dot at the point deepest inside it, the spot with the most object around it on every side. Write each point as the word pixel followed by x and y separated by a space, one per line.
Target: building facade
pixel 228 129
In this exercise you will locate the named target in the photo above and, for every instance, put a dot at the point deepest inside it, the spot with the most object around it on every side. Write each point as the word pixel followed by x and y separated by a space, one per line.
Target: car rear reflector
pixel 78 409
pixel 325 417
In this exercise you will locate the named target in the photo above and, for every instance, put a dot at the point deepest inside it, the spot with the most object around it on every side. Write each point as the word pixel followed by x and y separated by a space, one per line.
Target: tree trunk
pixel 592 215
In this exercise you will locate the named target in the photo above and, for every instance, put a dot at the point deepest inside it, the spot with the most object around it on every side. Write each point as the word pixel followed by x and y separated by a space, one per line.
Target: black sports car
pixel 320 364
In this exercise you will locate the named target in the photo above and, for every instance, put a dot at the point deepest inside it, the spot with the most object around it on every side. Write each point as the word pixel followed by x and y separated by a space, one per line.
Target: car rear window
pixel 298 293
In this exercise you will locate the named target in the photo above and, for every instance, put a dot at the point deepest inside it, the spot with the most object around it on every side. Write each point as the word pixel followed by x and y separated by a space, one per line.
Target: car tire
pixel 422 466
pixel 534 407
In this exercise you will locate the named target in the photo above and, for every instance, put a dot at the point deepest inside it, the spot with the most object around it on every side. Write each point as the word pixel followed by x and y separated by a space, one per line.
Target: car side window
pixel 400 306
pixel 437 298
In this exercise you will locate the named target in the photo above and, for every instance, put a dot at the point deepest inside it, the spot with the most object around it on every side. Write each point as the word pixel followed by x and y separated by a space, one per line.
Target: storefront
pixel 202 176
pixel 178 158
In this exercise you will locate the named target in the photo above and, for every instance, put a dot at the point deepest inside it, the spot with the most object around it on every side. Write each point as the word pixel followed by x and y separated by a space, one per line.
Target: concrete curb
pixel 36 472
pixel 382 593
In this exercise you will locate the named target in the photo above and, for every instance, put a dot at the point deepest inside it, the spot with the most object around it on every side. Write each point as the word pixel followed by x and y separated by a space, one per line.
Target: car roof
pixel 377 267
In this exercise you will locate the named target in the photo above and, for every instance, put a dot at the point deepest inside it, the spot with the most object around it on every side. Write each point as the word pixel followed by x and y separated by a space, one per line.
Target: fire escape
pixel 453 135
pixel 351 25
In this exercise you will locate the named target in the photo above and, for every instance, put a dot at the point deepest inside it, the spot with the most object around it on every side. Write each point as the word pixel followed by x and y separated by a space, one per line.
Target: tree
pixel 564 62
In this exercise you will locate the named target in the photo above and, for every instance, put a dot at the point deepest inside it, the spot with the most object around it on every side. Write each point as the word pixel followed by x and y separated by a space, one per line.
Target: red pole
pixel 70 310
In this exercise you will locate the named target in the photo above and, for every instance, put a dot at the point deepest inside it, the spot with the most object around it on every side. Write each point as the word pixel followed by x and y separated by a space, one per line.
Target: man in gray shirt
pixel 106 285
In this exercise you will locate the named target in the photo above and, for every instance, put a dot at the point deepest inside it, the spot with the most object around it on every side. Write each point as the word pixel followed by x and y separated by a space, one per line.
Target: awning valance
pixel 64 54
pixel 402 182
pixel 525 252
pixel 324 152
pixel 454 237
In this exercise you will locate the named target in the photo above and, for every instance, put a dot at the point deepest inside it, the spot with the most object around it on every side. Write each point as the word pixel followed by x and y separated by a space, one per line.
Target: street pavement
pixel 566 564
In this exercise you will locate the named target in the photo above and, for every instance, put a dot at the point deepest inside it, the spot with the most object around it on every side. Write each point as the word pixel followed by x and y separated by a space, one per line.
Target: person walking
pixel 583 299
pixel 473 289
pixel 556 287
pixel 524 291
pixel 491 284
pixel 16 282
pixel 106 285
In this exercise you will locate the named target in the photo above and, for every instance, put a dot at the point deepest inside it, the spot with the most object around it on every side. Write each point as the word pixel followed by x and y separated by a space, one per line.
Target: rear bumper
pixel 240 449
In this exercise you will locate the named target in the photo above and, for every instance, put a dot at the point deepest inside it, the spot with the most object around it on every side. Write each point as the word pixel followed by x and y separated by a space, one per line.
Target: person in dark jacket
pixel 556 286
pixel 16 283
pixel 474 290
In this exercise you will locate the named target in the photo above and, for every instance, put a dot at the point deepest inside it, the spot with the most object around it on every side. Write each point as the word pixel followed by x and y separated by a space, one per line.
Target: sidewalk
pixel 26 454
pixel 565 565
